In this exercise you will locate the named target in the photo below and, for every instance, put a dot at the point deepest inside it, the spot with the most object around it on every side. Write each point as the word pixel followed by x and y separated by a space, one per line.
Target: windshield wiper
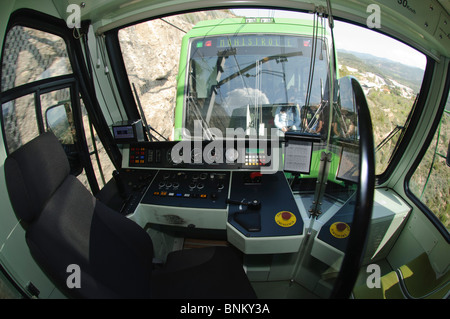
pixel 198 115
pixel 253 65
pixel 397 129
pixel 144 121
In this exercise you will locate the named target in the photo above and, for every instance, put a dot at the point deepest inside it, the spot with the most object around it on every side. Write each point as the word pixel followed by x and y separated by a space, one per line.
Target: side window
pixel 102 164
pixel 33 103
pixel 29 55
pixel 56 108
pixel 19 121
pixel 431 180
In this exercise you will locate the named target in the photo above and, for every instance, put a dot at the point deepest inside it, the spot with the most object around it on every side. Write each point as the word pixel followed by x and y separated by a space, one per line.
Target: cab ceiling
pixel 423 24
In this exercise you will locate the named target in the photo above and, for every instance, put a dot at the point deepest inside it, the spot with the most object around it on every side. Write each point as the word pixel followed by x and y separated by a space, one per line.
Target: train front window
pixel 255 82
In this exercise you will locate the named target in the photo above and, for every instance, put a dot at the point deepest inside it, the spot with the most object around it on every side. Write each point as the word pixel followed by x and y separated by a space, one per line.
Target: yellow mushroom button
pixel 285 219
pixel 340 230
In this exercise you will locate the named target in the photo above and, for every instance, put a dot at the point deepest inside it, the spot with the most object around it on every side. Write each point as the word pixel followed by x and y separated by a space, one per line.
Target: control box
pixel 196 189
pixel 128 132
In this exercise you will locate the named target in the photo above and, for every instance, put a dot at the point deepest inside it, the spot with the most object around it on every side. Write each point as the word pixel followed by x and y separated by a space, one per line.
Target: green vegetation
pixel 432 186
pixel 390 103
pixel 406 75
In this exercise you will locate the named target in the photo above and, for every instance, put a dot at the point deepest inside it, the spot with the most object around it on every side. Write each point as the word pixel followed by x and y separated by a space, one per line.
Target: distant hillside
pixel 409 76
pixel 390 89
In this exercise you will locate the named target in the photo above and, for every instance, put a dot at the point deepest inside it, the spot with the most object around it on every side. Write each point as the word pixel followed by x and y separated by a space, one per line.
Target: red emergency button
pixel 285 219
pixel 286 215
pixel 340 230
pixel 341 226
pixel 255 175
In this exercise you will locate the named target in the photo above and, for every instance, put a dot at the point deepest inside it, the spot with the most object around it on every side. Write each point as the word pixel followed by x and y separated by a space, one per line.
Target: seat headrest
pixel 33 173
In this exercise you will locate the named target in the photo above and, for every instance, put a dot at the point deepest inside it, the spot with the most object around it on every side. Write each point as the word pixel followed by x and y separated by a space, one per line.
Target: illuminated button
pixel 203 196
pixel 187 195
pixel 156 193
pixel 163 194
pixel 179 195
pixel 171 194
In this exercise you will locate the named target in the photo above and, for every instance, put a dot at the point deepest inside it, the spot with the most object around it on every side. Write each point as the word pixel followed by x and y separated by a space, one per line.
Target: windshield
pixel 255 82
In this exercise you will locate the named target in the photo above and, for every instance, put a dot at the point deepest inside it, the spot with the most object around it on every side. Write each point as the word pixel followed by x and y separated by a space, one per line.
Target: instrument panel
pixel 200 155
pixel 189 189
pixel 221 186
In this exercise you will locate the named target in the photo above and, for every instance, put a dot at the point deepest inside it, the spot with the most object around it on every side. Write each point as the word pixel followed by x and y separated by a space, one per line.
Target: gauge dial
pixel 214 156
pixel 196 155
pixel 169 156
pixel 231 155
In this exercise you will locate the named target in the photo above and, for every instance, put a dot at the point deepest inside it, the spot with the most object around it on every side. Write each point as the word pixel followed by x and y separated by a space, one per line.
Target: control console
pixel 196 189
pixel 216 155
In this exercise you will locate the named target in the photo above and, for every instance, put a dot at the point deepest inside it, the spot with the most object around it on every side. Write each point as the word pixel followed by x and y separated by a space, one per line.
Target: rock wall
pixel 151 52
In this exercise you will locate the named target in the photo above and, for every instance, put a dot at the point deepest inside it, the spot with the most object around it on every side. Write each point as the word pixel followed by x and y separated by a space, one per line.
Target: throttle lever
pixel 253 205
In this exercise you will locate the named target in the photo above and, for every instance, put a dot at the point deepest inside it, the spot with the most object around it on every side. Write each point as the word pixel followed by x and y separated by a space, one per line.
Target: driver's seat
pixel 65 225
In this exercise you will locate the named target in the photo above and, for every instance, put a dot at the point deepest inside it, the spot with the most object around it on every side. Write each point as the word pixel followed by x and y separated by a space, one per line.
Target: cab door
pixel 42 89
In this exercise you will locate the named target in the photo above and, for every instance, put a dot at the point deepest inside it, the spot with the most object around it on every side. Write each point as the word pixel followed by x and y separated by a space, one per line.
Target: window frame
pixel 79 81
pixel 36 88
pixel 429 139
pixel 417 111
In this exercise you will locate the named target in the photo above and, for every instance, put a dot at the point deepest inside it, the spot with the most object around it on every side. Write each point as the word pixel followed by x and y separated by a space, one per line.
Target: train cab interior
pixel 143 152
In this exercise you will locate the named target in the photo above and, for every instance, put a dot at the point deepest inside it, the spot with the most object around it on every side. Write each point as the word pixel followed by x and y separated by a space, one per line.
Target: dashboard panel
pixel 201 155
pixel 221 186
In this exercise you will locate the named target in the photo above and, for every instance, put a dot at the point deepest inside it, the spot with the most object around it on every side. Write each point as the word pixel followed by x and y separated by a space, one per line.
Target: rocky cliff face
pixel 151 52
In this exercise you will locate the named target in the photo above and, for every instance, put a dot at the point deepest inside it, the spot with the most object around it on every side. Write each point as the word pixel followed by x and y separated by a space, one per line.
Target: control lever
pixel 250 220
pixel 120 184
pixel 253 205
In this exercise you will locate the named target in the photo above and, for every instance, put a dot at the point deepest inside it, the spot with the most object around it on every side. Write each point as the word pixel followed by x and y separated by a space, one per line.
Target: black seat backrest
pixel 66 225
pixel 33 173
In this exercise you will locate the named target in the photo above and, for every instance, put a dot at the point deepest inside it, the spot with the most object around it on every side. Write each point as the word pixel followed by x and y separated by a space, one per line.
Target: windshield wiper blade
pixel 198 115
pixel 144 120
pixel 253 65
pixel 397 129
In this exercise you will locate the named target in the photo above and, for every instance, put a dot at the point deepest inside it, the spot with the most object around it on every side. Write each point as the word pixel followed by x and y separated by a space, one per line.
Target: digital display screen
pixel 256 41
pixel 297 156
pixel 123 132
pixel 254 150
pixel 349 165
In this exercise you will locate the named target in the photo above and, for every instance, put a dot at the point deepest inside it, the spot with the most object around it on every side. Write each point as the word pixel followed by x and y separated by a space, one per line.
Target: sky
pixel 355 38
